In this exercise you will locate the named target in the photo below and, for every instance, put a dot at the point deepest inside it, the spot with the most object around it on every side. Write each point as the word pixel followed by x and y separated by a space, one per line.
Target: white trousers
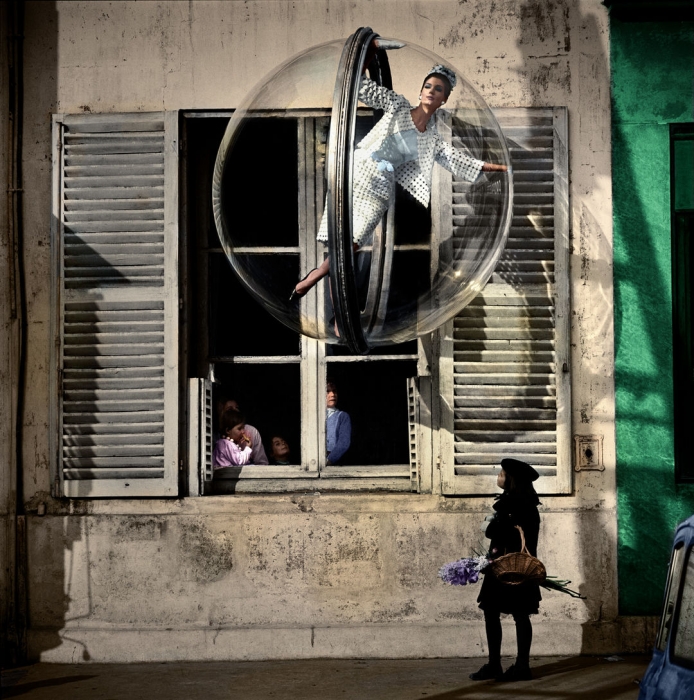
pixel 372 190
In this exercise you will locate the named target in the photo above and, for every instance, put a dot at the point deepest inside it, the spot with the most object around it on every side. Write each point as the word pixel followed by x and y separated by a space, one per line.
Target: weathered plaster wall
pixel 651 89
pixel 273 576
pixel 297 576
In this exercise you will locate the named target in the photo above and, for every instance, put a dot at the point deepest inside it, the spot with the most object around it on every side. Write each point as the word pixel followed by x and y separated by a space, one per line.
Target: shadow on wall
pixel 52 539
pixel 551 25
pixel 57 544
pixel 546 70
pixel 650 90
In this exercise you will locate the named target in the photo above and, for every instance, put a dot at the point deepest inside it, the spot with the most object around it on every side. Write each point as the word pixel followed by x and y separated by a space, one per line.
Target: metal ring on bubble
pixel 339 190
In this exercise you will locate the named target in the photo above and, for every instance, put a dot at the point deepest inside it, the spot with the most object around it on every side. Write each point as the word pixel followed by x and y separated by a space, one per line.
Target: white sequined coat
pixel 374 186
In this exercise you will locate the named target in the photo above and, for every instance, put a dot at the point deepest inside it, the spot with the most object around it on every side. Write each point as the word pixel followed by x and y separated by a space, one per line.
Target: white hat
pixel 445 72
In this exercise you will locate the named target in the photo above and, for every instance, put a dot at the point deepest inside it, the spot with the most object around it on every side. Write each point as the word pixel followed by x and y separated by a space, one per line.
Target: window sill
pixel 366 485
pixel 262 471
pixel 274 479
pixel 381 471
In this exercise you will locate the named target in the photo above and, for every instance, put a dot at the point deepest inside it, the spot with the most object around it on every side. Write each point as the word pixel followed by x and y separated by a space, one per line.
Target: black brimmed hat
pixel 519 470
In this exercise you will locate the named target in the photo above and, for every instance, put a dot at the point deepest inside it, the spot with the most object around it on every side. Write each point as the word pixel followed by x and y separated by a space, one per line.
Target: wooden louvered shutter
pixel 200 447
pixel 505 358
pixel 115 323
pixel 413 405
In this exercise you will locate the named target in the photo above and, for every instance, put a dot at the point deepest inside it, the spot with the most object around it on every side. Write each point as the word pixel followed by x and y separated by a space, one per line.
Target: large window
pixel 151 327
pixel 682 199
pixel 277 376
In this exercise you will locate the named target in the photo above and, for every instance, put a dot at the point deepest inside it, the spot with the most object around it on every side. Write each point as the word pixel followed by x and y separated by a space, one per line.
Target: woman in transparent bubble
pixel 402 148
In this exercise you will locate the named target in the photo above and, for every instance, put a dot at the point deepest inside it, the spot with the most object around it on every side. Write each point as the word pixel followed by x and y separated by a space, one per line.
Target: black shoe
pixel 516 673
pixel 488 672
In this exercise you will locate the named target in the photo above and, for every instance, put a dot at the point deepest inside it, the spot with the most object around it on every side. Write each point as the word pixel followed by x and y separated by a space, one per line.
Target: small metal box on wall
pixel 588 453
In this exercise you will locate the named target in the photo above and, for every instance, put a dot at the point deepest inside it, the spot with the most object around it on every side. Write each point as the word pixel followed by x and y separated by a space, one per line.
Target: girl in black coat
pixel 516 506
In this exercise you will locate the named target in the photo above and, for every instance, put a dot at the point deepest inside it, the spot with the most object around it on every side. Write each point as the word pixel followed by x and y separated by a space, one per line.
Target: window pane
pixel 269 397
pixel 203 137
pixel 671 589
pixel 412 219
pixel 239 326
pixel 684 174
pixel 683 342
pixel 265 192
pixel 684 630
pixel 375 396
pixel 409 282
pixel 682 200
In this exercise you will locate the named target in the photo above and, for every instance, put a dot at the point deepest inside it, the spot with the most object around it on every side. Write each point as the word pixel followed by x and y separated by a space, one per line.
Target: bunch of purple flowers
pixel 463 571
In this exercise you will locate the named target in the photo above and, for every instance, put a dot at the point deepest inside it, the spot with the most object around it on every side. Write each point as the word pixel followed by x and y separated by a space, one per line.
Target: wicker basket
pixel 519 567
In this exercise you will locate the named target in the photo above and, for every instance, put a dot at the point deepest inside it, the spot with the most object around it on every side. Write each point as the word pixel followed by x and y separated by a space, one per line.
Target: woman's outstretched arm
pixel 494 167
pixel 370 93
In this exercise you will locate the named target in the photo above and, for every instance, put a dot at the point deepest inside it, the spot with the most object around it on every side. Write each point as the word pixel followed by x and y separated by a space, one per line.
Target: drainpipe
pixel 17 602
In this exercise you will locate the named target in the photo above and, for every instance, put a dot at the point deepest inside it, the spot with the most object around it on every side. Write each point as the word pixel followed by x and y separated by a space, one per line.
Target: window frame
pixel 314 361
pixel 434 439
pixel 682 317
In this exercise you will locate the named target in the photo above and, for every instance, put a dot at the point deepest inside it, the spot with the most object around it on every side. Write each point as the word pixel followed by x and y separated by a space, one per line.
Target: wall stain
pixel 304 503
pixel 209 554
pixel 415 566
pixel 406 610
pixel 459 615
pixel 132 529
pixel 454 37
pixel 537 18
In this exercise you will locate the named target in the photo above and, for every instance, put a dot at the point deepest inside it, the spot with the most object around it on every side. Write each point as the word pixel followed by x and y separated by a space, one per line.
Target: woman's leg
pixel 312 278
pixel 370 200
pixel 524 638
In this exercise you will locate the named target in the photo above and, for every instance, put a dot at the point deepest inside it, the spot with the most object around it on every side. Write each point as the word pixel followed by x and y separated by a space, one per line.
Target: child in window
pixel 338 427
pixel 234 447
pixel 224 403
pixel 280 453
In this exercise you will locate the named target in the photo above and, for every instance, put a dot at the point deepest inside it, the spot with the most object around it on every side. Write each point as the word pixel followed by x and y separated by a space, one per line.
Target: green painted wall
pixel 652 67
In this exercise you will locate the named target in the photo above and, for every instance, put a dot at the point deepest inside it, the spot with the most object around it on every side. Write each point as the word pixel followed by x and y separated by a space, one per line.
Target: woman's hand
pixel 493 167
pixel 379 44
pixel 387 44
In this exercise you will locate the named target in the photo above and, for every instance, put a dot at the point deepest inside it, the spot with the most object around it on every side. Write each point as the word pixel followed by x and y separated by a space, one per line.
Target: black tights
pixel 524 636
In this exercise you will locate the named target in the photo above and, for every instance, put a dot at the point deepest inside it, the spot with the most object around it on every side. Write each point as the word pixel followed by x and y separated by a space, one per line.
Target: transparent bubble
pixel 427 252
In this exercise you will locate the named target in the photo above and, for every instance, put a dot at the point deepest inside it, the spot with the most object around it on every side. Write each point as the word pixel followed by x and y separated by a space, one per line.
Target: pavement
pixel 556 678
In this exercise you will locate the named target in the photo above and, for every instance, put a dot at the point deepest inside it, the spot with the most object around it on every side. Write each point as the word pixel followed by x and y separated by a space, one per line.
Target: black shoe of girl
pixel 488 672
pixel 516 673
